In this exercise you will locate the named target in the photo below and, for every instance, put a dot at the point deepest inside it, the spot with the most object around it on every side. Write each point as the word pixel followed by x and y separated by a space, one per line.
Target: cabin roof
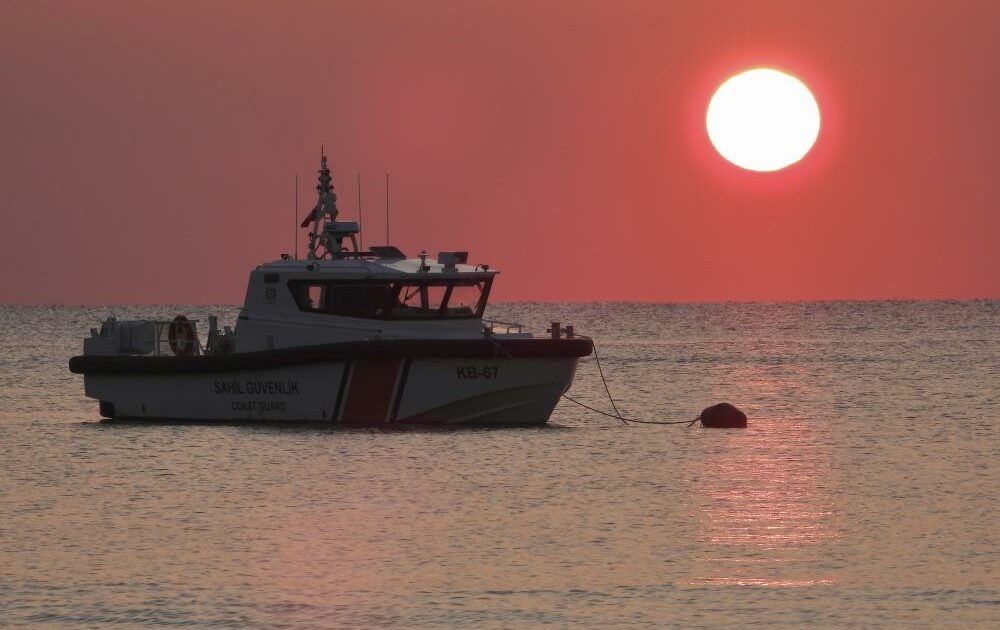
pixel 379 267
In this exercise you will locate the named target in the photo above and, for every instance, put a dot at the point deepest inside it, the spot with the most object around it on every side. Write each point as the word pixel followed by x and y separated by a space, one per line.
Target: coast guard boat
pixel 344 336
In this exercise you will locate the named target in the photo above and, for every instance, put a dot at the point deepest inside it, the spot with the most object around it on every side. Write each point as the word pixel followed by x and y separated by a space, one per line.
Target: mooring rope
pixel 618 414
pixel 628 420
pixel 603 413
pixel 600 371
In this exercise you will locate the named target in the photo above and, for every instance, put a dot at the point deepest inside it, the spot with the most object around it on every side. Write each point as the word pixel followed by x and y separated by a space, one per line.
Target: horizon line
pixel 514 302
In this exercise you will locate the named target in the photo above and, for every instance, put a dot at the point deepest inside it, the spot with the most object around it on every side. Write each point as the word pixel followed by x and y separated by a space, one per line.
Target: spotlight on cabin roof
pixel 450 259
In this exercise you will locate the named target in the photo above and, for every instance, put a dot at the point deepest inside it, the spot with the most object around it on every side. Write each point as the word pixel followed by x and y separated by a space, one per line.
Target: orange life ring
pixel 182 337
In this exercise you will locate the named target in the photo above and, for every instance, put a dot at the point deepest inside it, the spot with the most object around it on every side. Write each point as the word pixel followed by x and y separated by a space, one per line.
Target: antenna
pixel 295 238
pixel 361 234
pixel 386 208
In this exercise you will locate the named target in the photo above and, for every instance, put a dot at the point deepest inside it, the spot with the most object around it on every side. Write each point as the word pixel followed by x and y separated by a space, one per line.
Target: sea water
pixel 863 493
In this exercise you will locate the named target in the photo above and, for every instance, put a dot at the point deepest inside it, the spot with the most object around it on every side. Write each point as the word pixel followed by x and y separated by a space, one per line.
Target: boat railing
pixel 491 325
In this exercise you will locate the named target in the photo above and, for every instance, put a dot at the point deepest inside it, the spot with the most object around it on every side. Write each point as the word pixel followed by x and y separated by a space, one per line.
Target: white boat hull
pixel 364 391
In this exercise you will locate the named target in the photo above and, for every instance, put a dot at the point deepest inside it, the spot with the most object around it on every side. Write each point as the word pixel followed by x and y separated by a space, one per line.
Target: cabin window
pixel 440 299
pixel 465 300
pixel 315 297
pixel 350 299
pixel 420 301
pixel 409 299
pixel 357 300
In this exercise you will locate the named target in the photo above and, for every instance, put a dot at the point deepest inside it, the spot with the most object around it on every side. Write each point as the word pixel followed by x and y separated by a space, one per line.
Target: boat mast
pixel 326 206
pixel 296 232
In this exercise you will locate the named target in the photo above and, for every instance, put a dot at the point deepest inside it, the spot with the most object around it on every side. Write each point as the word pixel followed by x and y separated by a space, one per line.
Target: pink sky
pixel 148 150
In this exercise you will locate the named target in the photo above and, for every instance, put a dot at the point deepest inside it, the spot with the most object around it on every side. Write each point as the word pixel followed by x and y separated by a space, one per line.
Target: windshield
pixel 440 299
pixel 462 298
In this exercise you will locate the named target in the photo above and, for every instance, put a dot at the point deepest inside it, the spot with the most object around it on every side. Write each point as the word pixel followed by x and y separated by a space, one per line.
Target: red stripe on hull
pixel 373 383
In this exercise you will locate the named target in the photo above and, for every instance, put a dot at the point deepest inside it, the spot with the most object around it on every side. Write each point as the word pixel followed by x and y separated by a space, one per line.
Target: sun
pixel 763 120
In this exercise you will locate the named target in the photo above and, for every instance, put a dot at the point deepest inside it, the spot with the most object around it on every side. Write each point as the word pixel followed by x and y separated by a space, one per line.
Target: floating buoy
pixel 723 416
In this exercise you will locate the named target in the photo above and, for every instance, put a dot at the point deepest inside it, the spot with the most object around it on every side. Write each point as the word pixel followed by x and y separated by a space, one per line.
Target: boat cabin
pixel 340 292
pixel 302 302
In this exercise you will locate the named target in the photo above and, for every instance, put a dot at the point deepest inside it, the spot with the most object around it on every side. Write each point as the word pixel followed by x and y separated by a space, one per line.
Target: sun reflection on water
pixel 765 514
